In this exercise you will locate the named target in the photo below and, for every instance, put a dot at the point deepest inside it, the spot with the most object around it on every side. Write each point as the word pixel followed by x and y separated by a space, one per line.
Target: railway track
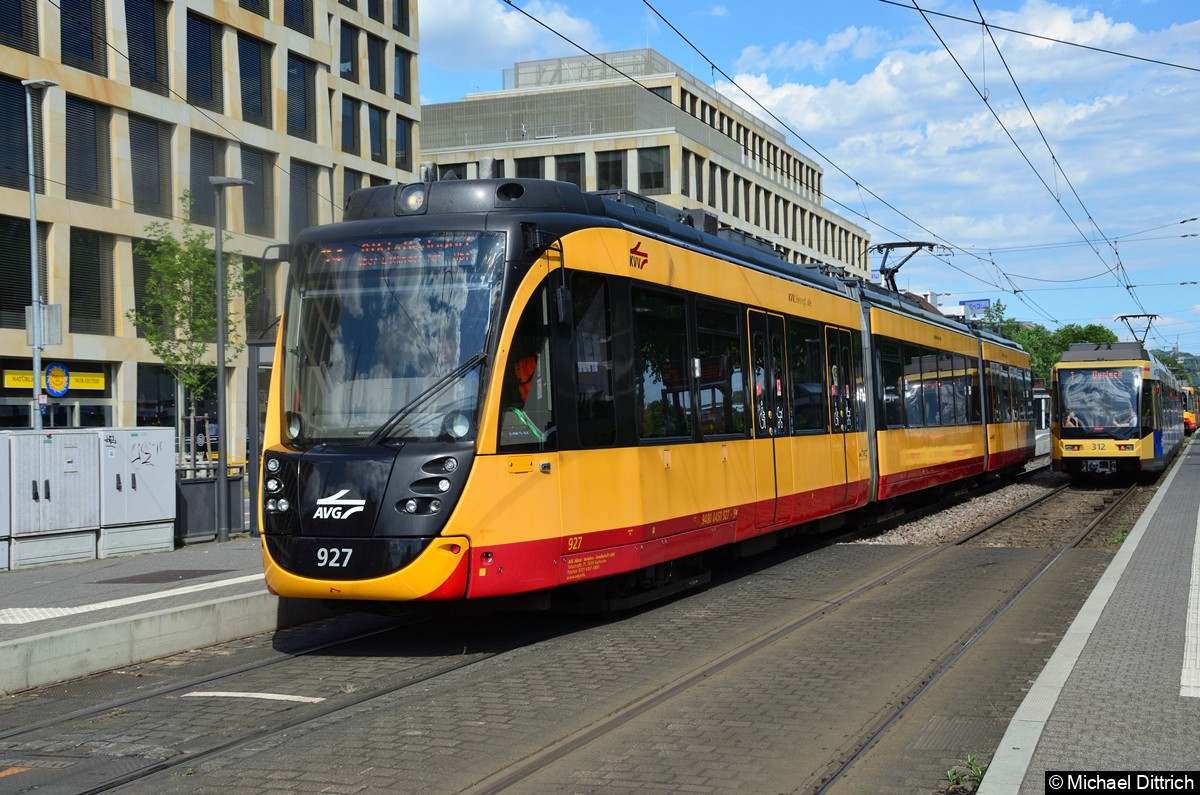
pixel 419 660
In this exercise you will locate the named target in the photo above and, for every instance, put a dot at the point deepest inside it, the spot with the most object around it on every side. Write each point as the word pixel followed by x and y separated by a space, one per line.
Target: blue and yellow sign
pixel 58 380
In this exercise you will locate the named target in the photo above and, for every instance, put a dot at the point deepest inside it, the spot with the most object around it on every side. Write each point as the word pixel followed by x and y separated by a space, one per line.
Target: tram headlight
pixel 273 465
pixel 412 198
pixel 457 425
pixel 449 465
pixel 410 506
pixel 274 484
pixel 443 485
pixel 435 506
pixel 283 504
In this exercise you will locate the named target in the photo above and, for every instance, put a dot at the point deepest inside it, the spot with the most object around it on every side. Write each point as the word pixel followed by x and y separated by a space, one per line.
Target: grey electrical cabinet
pixel 137 490
pixel 54 495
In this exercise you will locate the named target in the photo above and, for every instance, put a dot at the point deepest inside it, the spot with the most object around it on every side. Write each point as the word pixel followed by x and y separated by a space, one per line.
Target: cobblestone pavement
pixel 778 721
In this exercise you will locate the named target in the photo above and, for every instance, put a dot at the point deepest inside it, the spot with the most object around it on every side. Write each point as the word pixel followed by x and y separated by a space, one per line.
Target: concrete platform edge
pixel 1010 763
pixel 43 659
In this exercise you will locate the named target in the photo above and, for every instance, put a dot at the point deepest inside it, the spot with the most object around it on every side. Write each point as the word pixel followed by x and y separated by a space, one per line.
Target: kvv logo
pixel 638 258
pixel 334 507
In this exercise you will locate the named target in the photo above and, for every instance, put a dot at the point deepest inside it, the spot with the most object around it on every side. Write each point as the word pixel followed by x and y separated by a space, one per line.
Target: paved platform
pixel 1122 690
pixel 71 619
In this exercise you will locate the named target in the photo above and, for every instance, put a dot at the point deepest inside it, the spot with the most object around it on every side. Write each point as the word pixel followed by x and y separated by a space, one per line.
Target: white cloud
pixel 466 35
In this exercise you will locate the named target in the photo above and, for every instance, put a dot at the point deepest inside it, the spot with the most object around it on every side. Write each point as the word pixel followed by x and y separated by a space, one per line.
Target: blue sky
pixel 1065 195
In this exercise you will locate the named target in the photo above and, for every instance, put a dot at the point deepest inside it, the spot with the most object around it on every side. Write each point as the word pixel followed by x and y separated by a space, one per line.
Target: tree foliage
pixel 1045 347
pixel 178 311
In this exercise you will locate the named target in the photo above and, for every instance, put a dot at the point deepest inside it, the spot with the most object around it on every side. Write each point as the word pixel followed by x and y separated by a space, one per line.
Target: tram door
pixel 772 420
pixel 839 361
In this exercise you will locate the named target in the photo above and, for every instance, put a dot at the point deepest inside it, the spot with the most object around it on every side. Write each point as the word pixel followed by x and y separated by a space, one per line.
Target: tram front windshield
pixel 384 337
pixel 1099 401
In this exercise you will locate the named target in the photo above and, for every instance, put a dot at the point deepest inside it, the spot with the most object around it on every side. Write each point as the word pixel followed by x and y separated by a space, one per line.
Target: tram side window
pixel 959 386
pixel 974 391
pixel 722 371
pixel 662 388
pixel 892 372
pixel 860 383
pixel 929 383
pixel 1151 407
pixel 807 371
pixel 527 421
pixel 914 397
pixel 1006 393
pixel 594 394
pixel 1026 396
pixel 946 394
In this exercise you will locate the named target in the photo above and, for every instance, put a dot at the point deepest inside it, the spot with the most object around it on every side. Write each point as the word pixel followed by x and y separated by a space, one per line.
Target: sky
pixel 1051 151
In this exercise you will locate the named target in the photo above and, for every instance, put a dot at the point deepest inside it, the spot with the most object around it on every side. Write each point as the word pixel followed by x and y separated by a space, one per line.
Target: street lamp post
pixel 30 85
pixel 219 184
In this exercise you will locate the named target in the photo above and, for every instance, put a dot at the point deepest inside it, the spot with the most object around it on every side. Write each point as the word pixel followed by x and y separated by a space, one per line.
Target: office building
pixel 634 121
pixel 308 99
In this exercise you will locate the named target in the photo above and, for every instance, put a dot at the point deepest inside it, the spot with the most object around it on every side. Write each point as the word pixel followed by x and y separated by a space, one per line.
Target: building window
pixel 403 143
pixel 569 168
pixel 376 55
pixel 204 63
pixel 14 268
pixel 208 159
pixel 662 91
pixel 400 16
pixel 254 64
pixel 350 107
pixel 146 29
pixel 87 132
pixel 262 301
pixel 83 29
pixel 610 170
pixel 301 94
pixel 348 53
pixel 652 171
pixel 150 162
pixel 155 395
pixel 18 26
pixel 91 283
pixel 377 129
pixel 351 181
pixel 14 144
pixel 258 200
pixel 531 167
pixel 260 7
pixel 302 195
pixel 452 171
pixel 402 65
pixel 375 10
pixel 298 15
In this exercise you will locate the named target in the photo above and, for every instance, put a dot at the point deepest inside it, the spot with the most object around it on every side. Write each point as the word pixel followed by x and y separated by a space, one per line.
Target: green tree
pixel 1173 364
pixel 178 311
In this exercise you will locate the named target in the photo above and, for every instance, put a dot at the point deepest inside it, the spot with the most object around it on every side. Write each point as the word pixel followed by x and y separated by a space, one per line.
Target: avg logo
pixel 638 258
pixel 334 507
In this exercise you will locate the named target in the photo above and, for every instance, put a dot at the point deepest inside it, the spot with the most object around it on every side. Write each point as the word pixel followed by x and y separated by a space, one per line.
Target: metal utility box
pixel 54 498
pixel 137 490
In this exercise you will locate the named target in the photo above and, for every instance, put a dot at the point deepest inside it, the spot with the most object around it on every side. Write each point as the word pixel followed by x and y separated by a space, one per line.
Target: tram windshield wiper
pixel 390 425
